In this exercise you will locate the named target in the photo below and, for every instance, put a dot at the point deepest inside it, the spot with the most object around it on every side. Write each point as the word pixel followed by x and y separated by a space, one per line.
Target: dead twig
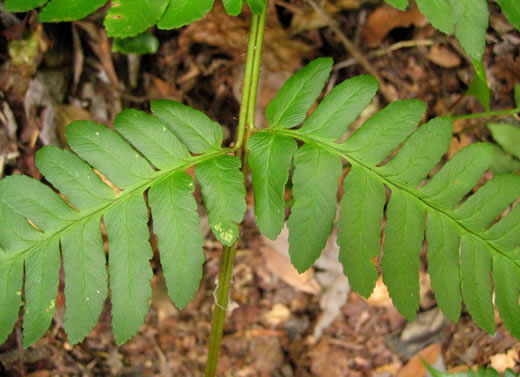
pixel 385 51
pixel 353 50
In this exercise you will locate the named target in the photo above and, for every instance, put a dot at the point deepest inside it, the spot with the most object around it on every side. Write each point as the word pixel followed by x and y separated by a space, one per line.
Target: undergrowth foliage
pixel 108 172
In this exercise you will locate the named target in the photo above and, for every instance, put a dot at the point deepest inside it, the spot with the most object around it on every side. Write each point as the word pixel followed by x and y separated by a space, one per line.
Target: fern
pixel 437 212
pixel 145 153
pixel 107 173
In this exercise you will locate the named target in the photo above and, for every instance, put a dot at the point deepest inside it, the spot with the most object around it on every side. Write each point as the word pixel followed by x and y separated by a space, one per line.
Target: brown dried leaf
pixel 415 367
pixel 384 19
pixel 67 113
pixel 282 267
pixel 380 297
pixel 502 361
pixel 230 34
pixel 309 19
pixel 277 261
pixel 443 57
pixel 462 139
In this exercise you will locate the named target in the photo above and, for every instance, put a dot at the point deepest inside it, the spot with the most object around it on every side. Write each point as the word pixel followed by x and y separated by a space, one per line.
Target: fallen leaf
pixel 380 297
pixel 309 19
pixel 276 255
pixel 415 366
pixel 280 52
pixel 385 18
pixel 502 361
pixel 425 326
pixel 462 139
pixel 443 57
pixel 334 283
pixel 65 114
pixel 282 267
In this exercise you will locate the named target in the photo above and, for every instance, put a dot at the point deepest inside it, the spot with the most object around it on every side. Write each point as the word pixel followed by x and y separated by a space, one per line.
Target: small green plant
pixel 107 173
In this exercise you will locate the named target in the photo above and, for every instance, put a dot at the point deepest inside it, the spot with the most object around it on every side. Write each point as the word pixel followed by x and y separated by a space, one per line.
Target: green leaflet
pixel 42 275
pixel 289 107
pixel 489 202
pixel 382 133
pixel 73 177
pixel 11 281
pixel 507 288
pixel 399 4
pixel 22 5
pixel 84 263
pixel 340 107
pixel 270 158
pixel 106 151
pixel 443 264
pixel 177 226
pixel 476 281
pixel 420 153
pixel 32 199
pixel 233 7
pixel 507 136
pixel 151 137
pixel 471 23
pixel 359 229
pixel 504 163
pixel 315 184
pixel 129 265
pixel 183 12
pixel 506 233
pixel 192 127
pixel 66 10
pixel 127 18
pixel 439 13
pixel 16 233
pixel 479 86
pixel 401 252
pixel 222 185
pixel 458 176
pixel 511 9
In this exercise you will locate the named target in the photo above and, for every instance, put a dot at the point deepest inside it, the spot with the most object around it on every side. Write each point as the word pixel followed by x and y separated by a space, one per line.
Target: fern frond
pixel 435 212
pixel 145 153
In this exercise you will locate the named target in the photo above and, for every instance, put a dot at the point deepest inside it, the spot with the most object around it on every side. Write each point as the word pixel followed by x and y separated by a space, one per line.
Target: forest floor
pixel 283 324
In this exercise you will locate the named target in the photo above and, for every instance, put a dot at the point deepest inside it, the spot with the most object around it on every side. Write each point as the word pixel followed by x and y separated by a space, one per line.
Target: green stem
pixel 219 313
pixel 487 115
pixel 245 125
pixel 251 75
